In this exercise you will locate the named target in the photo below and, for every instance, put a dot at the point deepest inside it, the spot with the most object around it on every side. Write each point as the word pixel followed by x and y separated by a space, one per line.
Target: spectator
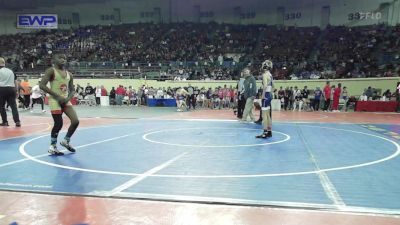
pixel 327 96
pixel 305 92
pixel 386 95
pixel 119 95
pixel 103 91
pixel 398 97
pixel 317 98
pixel 37 97
pixel 369 93
pixel 90 94
pixel 345 97
pixel 336 97
pixel 112 96
pixel 298 99
pixel 26 92
pixel 98 95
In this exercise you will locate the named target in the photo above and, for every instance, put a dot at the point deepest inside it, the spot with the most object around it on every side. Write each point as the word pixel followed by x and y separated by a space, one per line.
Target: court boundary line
pixel 234 201
pixel 387 214
pixel 394 155
pixel 326 183
pixel 305 125
pixel 218 200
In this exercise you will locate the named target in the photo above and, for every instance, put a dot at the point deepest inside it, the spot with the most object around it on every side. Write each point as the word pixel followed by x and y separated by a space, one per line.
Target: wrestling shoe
pixel 265 135
pixel 4 124
pixel 54 151
pixel 66 145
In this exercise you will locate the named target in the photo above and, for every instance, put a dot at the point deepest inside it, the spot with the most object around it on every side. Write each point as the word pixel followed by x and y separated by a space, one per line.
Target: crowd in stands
pixel 294 98
pixel 215 51
pixel 327 98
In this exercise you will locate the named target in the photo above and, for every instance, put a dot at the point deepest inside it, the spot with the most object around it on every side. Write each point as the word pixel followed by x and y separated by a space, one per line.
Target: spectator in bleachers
pixel 344 52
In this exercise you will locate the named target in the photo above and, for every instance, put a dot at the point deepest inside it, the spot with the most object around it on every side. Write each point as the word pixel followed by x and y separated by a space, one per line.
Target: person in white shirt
pixel 98 95
pixel 298 99
pixel 398 89
pixel 8 93
pixel 160 93
pixel 37 97
pixel 181 95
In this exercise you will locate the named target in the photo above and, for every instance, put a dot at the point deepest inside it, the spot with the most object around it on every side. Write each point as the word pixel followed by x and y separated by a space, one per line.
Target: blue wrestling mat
pixel 345 167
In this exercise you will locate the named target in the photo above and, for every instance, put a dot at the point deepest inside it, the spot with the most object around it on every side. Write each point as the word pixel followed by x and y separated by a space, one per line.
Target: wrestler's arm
pixel 71 87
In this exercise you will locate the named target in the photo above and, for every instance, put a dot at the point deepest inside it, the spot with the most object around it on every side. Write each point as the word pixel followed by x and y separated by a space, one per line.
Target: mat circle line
pixel 145 137
pixel 395 154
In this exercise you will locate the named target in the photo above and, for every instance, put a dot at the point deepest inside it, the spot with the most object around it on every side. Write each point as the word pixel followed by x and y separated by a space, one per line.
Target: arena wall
pixel 354 86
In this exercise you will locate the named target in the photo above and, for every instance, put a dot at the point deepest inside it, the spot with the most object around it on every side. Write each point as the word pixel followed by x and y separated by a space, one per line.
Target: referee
pixel 8 93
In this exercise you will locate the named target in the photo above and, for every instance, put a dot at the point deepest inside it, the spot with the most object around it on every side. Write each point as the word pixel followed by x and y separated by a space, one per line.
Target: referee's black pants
pixel 241 105
pixel 8 94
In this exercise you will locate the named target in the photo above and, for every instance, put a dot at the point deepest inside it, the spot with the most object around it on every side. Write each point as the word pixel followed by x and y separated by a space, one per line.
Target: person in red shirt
pixel 120 93
pixel 336 97
pixel 327 95
pixel 103 91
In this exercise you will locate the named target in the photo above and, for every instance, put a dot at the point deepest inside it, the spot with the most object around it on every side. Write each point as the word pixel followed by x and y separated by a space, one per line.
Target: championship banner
pixel 37 21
